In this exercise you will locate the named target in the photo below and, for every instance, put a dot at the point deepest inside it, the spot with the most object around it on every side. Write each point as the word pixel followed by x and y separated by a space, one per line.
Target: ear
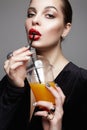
pixel 66 30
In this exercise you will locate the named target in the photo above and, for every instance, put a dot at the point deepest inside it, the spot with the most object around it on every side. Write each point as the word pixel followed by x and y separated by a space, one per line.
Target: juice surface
pixel 41 92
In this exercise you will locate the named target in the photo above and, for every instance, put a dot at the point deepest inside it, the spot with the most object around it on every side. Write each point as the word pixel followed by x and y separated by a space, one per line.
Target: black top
pixel 15 102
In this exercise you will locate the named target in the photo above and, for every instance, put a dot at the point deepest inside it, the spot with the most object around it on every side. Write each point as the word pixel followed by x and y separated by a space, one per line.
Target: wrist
pixel 56 125
pixel 16 83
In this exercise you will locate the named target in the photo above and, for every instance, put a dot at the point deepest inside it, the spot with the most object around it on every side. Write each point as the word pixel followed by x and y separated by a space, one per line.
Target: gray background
pixel 13 36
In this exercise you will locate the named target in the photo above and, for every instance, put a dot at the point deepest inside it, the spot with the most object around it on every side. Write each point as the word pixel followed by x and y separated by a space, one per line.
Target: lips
pixel 36 34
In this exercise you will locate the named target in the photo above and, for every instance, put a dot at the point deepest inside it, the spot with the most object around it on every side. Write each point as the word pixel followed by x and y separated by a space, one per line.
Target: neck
pixel 56 58
pixel 53 54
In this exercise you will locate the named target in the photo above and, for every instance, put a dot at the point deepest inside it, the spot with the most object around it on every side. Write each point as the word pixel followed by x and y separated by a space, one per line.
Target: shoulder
pixel 72 73
pixel 77 71
pixel 75 82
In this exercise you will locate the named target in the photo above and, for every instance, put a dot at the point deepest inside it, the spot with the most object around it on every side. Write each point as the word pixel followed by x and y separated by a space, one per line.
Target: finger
pixel 52 90
pixel 9 55
pixel 41 113
pixel 57 91
pixel 21 50
pixel 6 66
pixel 23 56
pixel 6 63
pixel 44 105
pixel 16 65
pixel 61 93
pixel 20 59
pixel 58 97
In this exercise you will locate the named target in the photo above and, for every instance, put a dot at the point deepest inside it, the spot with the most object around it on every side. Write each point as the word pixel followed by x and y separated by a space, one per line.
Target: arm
pixel 13 96
pixel 10 98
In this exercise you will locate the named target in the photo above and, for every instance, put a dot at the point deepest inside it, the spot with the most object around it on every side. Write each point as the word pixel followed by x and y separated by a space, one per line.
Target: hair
pixel 67 11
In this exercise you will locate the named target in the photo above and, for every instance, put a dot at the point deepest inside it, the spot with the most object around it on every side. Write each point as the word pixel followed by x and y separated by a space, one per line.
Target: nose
pixel 36 20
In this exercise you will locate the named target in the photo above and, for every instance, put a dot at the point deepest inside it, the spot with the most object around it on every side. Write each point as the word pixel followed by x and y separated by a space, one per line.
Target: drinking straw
pixel 33 59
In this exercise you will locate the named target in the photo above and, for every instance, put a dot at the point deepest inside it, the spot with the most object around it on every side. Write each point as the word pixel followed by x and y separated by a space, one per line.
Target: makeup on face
pixel 45 21
pixel 36 34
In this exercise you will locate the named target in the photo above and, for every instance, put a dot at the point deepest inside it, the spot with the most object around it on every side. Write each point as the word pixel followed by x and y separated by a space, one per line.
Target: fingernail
pixel 34 104
pixel 27 46
pixel 57 85
pixel 48 85
pixel 27 57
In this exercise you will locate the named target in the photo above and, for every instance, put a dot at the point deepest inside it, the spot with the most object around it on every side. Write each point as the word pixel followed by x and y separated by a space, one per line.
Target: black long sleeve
pixel 73 82
pixel 15 102
pixel 14 106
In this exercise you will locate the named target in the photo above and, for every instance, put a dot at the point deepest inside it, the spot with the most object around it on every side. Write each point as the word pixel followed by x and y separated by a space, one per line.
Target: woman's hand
pixel 52 118
pixel 15 66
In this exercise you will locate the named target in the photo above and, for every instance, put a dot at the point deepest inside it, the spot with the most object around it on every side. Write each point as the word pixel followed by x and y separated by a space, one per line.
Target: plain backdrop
pixel 13 34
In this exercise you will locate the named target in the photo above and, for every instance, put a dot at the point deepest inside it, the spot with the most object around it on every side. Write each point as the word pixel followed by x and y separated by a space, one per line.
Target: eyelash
pixel 30 15
pixel 49 16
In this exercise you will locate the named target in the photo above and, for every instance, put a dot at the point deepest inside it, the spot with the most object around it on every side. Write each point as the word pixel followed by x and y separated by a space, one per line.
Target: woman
pixel 50 22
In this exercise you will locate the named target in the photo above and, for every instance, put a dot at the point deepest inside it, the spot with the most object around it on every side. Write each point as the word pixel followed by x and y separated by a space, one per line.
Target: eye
pixel 30 14
pixel 50 16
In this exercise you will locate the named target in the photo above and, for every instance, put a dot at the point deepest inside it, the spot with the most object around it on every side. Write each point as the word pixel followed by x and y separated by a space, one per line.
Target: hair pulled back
pixel 67 11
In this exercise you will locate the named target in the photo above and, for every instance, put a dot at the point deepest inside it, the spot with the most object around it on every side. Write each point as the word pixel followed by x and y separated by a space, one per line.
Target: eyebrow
pixel 31 8
pixel 48 7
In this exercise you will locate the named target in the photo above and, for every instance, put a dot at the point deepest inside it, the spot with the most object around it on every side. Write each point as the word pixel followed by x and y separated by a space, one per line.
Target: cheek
pixel 54 31
pixel 27 25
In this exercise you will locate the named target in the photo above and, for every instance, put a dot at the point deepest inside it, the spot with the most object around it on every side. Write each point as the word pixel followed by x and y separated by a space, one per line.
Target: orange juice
pixel 41 92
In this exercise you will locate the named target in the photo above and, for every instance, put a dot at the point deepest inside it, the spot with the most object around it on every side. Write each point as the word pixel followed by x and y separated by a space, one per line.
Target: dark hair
pixel 67 11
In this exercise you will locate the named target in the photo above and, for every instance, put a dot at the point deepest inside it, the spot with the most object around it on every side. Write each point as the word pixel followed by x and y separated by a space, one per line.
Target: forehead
pixel 43 3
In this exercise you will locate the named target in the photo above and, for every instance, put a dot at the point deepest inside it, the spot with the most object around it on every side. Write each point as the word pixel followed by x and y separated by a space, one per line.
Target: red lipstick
pixel 36 34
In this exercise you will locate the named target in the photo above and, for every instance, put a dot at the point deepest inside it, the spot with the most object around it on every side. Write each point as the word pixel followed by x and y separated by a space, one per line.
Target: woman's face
pixel 46 20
